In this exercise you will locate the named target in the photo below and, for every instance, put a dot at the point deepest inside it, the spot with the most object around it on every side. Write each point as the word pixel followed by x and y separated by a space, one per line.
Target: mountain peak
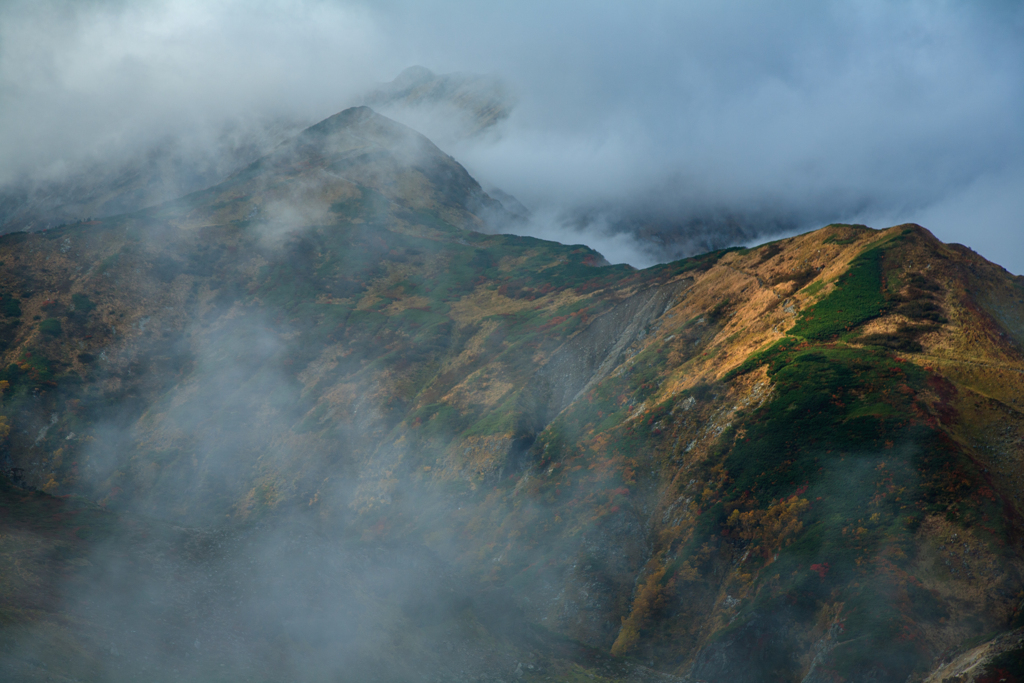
pixel 413 75
pixel 344 158
pixel 359 117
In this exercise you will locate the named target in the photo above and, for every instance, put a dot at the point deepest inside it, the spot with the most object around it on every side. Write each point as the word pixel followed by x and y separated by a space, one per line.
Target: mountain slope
pixel 825 494
pixel 116 181
pixel 795 462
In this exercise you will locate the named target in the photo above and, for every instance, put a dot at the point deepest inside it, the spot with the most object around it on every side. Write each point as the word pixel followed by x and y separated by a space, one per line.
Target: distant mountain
pixel 122 183
pixel 456 105
pixel 354 163
pixel 126 182
pixel 314 425
pixel 454 109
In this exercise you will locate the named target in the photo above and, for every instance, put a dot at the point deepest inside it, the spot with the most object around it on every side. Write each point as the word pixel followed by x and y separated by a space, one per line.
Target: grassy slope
pixel 847 501
pixel 805 464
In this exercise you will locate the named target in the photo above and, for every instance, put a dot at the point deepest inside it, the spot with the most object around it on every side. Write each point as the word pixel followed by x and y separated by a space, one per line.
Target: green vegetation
pixel 846 433
pixel 311 422
pixel 813 288
pixel 51 327
pixel 857 298
pixel 762 356
pixel 1008 667
pixel 32 369
pixel 439 421
pixel 9 306
pixel 853 403
pixel 370 206
pixel 513 417
pixel 392 343
pixel 109 263
pixel 825 395
pixel 83 305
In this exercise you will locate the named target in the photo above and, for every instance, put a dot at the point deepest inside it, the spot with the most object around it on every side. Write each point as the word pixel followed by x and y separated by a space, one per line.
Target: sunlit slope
pixel 795 462
pixel 810 463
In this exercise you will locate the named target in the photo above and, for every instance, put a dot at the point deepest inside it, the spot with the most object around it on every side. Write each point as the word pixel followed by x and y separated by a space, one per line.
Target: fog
pixel 642 134
pixel 794 117
pixel 266 519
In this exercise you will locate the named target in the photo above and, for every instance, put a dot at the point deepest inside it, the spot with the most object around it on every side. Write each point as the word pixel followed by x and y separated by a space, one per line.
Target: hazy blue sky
pixel 867 111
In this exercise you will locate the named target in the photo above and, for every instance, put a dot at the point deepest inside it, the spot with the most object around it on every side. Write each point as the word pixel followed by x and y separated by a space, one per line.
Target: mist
pixel 776 119
pixel 253 406
pixel 341 433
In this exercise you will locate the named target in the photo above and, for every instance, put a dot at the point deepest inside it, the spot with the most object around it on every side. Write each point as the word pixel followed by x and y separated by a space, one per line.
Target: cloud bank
pixel 814 112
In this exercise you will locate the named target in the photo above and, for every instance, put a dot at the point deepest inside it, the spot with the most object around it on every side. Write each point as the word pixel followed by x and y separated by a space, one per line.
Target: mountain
pixel 311 423
pixel 455 105
pixel 119 181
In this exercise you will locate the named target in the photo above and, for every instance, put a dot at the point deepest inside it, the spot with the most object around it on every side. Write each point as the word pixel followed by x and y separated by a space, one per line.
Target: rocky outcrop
pixel 590 356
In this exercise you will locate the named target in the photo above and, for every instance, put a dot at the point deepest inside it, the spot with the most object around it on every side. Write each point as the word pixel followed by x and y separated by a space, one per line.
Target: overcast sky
pixel 866 111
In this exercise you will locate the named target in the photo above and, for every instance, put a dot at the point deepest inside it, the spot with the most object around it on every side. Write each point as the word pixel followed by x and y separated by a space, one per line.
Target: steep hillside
pixel 362 422
pixel 115 181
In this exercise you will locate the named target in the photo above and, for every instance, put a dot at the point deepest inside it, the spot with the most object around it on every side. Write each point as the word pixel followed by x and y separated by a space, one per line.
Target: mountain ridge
pixel 799 461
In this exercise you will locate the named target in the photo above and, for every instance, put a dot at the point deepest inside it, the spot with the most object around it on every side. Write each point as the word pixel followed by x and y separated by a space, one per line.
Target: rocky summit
pixel 318 423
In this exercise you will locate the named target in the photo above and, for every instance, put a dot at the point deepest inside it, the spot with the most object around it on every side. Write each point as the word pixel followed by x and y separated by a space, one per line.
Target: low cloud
pixel 782 118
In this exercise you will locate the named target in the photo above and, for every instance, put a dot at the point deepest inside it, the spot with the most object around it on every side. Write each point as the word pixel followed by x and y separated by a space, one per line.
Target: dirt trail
pixel 982 363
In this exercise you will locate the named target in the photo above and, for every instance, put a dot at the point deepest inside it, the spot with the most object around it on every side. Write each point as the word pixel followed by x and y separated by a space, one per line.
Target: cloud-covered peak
pixel 771 116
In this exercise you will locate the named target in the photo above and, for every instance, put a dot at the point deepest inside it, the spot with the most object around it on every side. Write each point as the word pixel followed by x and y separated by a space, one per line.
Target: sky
pixel 820 111
pixel 815 111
